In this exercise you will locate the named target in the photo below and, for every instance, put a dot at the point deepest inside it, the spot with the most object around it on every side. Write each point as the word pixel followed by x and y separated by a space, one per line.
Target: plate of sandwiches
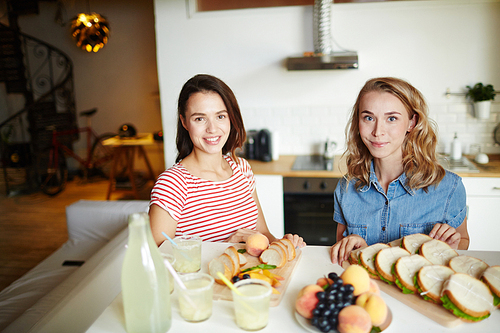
pixel 432 278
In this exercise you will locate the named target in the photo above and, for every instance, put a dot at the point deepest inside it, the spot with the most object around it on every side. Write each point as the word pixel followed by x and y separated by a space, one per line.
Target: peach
pixel 256 243
pixel 374 288
pixel 354 319
pixel 358 277
pixel 375 306
pixel 306 300
pixel 324 282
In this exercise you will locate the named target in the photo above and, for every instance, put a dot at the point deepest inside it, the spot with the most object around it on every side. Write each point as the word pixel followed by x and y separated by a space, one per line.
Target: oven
pixel 308 205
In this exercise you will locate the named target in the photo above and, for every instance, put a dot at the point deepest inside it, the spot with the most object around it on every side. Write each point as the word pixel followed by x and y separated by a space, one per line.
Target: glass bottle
pixel 145 285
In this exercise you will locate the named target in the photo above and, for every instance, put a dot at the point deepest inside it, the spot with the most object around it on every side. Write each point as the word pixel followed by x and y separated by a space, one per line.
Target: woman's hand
pixel 340 251
pixel 240 236
pixel 445 233
pixel 296 240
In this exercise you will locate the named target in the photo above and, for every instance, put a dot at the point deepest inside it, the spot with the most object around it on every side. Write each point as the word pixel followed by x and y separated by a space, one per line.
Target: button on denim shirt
pixel 379 217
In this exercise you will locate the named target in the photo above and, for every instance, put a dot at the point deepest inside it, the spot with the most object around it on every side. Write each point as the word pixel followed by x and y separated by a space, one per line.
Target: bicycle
pixel 98 157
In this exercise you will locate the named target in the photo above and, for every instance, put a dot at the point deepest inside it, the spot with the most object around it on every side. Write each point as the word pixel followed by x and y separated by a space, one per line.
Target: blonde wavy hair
pixel 419 146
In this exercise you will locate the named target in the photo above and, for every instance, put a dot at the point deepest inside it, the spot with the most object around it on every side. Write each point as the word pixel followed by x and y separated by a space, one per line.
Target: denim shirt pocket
pixel 406 229
pixel 357 229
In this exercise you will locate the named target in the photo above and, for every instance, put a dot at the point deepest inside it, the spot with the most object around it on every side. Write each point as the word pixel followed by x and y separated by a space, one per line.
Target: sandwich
pixel 412 243
pixel 367 258
pixel 384 260
pixel 467 297
pixel 437 252
pixel 354 255
pixel 491 277
pixel 429 281
pixel 468 265
pixel 404 271
pixel 396 242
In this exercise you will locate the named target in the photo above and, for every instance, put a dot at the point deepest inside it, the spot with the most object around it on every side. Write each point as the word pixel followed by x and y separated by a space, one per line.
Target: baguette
pixel 491 276
pixel 405 269
pixel 243 259
pixel 384 260
pixel 468 265
pixel 281 248
pixel 290 248
pixel 233 253
pixel 467 297
pixel 271 256
pixel 228 261
pixel 216 265
pixel 437 252
pixel 412 243
pixel 367 258
pixel 430 281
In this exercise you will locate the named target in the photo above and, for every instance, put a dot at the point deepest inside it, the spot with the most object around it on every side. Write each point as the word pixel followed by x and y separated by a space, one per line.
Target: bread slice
pixel 430 280
pixel 290 248
pixel 412 243
pixel 354 255
pixel 243 259
pixel 233 253
pixel 282 247
pixel 216 265
pixel 491 276
pixel 469 295
pixel 437 252
pixel 271 256
pixel 396 242
pixel 367 258
pixel 468 265
pixel 228 261
pixel 384 260
pixel 405 269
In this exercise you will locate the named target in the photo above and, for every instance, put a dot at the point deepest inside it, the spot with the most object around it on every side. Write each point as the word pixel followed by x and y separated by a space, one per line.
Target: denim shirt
pixel 379 217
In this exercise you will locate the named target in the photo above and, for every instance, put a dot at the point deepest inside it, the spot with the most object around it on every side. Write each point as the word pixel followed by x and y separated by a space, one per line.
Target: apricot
pixel 324 282
pixel 306 300
pixel 256 243
pixel 354 319
pixel 375 306
pixel 358 277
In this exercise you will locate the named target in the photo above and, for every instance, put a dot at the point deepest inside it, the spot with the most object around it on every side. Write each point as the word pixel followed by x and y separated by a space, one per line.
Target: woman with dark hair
pixel 209 192
pixel 394 185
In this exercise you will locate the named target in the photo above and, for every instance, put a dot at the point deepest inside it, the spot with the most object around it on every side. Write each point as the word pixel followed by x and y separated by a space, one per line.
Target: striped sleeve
pixel 246 169
pixel 170 192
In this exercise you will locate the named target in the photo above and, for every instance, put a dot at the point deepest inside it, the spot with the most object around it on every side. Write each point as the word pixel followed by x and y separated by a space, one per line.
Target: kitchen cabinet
pixel 483 222
pixel 270 193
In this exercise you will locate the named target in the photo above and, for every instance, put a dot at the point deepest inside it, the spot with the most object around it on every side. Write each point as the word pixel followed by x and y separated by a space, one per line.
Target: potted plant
pixel 482 96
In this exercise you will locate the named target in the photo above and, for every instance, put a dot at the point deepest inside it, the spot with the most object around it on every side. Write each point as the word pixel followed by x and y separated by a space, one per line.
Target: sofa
pixel 52 296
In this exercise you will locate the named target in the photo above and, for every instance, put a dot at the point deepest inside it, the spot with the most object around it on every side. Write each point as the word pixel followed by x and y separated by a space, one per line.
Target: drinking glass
pixel 171 260
pixel 187 254
pixel 252 309
pixel 195 302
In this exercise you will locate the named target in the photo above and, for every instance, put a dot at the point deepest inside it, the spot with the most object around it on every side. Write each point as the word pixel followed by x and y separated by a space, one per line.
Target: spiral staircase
pixel 42 77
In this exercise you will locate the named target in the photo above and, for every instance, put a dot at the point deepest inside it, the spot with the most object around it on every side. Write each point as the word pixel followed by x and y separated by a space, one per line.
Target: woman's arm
pixel 457 238
pixel 161 221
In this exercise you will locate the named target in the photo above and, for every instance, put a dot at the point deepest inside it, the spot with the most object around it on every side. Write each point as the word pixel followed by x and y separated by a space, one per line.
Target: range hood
pixel 323 56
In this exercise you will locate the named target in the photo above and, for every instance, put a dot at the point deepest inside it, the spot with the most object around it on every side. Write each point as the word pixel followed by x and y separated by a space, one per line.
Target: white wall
pixel 433 44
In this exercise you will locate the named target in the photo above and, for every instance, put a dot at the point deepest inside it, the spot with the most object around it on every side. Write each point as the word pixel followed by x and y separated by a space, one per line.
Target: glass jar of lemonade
pixel 251 308
pixel 187 254
pixel 195 302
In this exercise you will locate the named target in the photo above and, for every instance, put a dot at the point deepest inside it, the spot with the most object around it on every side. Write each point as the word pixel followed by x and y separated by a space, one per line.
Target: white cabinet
pixel 270 193
pixel 483 222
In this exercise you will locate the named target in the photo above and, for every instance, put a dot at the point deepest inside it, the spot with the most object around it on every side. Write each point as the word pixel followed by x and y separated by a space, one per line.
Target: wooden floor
pixel 33 226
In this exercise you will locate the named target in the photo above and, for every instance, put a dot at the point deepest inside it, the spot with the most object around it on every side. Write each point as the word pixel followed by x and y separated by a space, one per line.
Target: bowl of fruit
pixel 347 303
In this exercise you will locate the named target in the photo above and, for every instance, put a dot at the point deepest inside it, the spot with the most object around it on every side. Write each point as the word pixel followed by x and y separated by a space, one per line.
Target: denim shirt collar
pixel 374 180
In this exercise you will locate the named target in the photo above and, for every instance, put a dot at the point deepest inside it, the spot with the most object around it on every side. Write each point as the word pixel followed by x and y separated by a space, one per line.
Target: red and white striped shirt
pixel 211 210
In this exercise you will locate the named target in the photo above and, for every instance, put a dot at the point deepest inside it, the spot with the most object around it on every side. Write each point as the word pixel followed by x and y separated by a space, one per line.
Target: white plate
pixel 306 323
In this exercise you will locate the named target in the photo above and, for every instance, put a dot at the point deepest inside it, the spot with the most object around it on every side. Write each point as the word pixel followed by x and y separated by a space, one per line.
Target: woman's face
pixel 207 122
pixel 383 124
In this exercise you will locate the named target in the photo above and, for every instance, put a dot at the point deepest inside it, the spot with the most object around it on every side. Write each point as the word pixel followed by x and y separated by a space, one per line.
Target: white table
pixel 315 262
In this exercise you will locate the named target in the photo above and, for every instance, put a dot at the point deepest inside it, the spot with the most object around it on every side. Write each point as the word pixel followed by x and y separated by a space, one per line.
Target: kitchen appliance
pixel 308 205
pixel 259 145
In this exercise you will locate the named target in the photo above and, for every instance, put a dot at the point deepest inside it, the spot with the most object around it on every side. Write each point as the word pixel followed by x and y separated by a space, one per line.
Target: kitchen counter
pixel 283 167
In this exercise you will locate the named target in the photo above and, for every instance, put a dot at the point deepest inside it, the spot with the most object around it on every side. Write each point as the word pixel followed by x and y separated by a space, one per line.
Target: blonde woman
pixel 394 185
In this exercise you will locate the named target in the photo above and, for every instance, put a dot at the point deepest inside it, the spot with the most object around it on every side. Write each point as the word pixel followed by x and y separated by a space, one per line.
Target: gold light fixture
pixel 90 31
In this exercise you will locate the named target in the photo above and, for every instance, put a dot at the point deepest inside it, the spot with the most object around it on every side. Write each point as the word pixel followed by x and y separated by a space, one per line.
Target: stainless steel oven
pixel 308 205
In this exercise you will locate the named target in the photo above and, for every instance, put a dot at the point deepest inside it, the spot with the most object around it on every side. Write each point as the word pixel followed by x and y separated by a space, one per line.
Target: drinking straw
pixel 233 288
pixel 179 281
pixel 177 246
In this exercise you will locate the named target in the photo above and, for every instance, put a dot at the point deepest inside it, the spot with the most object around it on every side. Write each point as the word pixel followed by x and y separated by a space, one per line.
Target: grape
pixel 236 278
pixel 320 295
pixel 316 312
pixel 322 322
pixel 326 312
pixel 327 328
pixel 333 276
pixel 349 288
pixel 246 276
pixel 315 321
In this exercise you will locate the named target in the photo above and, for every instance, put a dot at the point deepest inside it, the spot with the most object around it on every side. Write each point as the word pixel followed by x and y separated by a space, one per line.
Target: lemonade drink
pixel 187 254
pixel 171 260
pixel 195 303
pixel 252 309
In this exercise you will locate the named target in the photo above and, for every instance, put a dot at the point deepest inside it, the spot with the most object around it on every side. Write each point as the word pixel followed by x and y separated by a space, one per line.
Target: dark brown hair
pixel 205 83
pixel 419 146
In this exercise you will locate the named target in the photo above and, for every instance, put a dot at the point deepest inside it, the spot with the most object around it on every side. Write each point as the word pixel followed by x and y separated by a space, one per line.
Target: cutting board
pixel 224 293
pixel 431 310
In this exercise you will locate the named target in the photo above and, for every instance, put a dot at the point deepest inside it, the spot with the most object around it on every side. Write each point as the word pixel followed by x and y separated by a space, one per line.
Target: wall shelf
pixel 448 93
